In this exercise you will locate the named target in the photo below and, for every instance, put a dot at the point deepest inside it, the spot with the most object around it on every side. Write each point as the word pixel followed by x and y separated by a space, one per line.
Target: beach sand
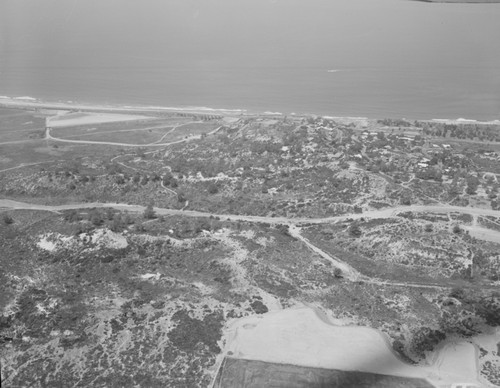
pixel 87 118
pixel 27 103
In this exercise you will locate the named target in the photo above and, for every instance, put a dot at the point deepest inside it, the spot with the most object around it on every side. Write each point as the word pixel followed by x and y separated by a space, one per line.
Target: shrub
pixel 259 307
pixel 213 189
pixel 457 293
pixel 119 180
pixel 166 179
pixel 117 223
pixel 405 200
pixel 149 212
pixel 425 339
pixel 72 216
pixel 7 220
pixel 489 309
pixel 358 209
pixel 95 217
pixel 456 229
pixel 354 230
pixel 110 214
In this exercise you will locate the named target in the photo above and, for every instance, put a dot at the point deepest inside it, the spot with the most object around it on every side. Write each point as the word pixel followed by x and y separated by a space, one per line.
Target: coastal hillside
pixel 165 251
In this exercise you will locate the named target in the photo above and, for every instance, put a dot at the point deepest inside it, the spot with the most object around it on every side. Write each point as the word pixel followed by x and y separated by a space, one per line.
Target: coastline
pixel 461 1
pixel 34 103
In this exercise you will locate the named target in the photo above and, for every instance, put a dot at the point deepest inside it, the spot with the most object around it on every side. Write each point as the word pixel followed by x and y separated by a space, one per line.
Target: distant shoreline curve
pixel 33 103
pixel 459 1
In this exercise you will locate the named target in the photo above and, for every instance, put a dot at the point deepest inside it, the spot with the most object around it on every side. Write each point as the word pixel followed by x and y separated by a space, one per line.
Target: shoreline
pixel 33 103
pixel 29 103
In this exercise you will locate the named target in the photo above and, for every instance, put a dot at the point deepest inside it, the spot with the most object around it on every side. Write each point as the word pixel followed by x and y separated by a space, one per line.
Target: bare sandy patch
pixel 100 238
pixel 51 151
pixel 483 233
pixel 74 119
pixel 298 336
pixel 4 159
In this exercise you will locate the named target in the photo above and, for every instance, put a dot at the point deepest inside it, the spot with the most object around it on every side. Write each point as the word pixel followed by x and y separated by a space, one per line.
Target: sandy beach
pixel 31 103
pixel 88 118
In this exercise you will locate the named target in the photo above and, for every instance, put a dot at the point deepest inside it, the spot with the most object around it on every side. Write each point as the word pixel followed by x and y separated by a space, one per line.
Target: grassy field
pixel 18 124
pixel 66 132
pixel 130 137
pixel 137 132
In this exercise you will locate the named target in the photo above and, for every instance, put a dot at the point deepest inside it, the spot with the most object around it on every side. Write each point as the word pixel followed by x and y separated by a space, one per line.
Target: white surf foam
pixel 25 98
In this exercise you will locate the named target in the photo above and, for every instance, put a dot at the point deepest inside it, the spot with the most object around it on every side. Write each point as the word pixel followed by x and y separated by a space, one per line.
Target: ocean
pixel 377 59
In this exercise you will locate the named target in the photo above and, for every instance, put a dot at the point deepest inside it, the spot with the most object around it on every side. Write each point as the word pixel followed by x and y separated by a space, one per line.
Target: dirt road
pixel 348 272
pixel 382 213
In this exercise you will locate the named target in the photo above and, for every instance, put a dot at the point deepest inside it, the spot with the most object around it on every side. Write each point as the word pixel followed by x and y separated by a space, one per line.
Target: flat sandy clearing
pixel 73 119
pixel 299 336
pixel 238 373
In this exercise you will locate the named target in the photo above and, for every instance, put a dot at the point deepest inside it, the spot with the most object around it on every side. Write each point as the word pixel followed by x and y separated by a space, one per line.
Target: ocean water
pixel 383 58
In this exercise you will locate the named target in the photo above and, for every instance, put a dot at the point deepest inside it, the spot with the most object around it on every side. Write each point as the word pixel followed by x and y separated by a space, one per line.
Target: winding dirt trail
pixel 347 271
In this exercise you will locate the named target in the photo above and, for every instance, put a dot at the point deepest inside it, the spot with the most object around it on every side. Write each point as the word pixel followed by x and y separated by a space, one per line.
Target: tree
pixel 453 190
pixel 337 272
pixel 472 185
pixel 149 212
pixel 471 189
pixel 456 229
